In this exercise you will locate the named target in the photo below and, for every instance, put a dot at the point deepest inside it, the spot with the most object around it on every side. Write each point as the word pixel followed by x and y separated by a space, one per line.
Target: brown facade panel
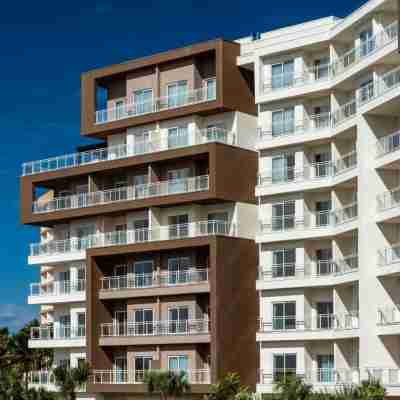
pixel 228 181
pixel 234 90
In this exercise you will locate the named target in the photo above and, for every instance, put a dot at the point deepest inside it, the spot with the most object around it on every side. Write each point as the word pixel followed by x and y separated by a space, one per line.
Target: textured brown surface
pixel 234 90
pixel 229 181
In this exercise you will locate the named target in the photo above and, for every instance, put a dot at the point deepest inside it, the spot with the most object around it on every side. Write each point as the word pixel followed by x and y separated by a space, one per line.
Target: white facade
pixel 328 95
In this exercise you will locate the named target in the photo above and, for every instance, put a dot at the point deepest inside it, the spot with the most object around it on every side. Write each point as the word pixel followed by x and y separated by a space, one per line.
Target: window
pixel 142 364
pixel 142 143
pixel 140 184
pixel 80 286
pixel 284 315
pixel 321 117
pixel 283 168
pixel 178 363
pixel 142 274
pixel 119 109
pixel 141 228
pixel 178 137
pixel 143 100
pixel 325 315
pixel 216 133
pixel 178 226
pixel 321 68
pixel 324 261
pixel 283 122
pixel 323 213
pixel 325 364
pixel 177 180
pixel 367 42
pixel 282 74
pixel 322 164
pixel 121 369
pixel 143 323
pixel 65 282
pixel 218 223
pixel 283 215
pixel 211 88
pixel 178 319
pixel 84 234
pixel 367 90
pixel 178 268
pixel 284 365
pixel 177 94
pixel 120 322
pixel 65 326
pixel 81 329
pixel 64 363
pixel 284 263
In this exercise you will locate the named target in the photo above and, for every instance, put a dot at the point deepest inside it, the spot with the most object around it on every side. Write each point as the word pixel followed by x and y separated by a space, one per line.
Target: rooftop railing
pixel 126 193
pixel 58 288
pixel 158 142
pixel 115 376
pixel 155 328
pixel 131 109
pixel 168 232
pixel 156 279
pixel 51 332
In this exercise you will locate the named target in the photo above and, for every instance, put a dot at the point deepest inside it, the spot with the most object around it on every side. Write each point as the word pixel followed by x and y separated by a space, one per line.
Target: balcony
pixel 388 322
pixel 389 377
pixel 130 109
pixel 312 225
pixel 336 68
pixel 312 176
pixel 155 332
pixel 53 292
pixel 42 379
pixel 75 248
pixel 55 337
pixel 319 273
pixel 319 327
pixel 107 377
pixel 127 193
pixel 191 280
pixel 386 150
pixel 321 379
pixel 388 206
pixel 379 88
pixel 157 143
pixel 389 261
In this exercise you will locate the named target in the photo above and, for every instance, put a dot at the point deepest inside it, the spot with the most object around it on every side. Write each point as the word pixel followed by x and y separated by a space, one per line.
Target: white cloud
pixel 15 316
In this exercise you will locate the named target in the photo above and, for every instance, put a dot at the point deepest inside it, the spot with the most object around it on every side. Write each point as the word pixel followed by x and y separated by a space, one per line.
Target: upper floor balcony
pixel 50 336
pixel 318 327
pixel 311 176
pixel 125 193
pixel 317 273
pixel 188 280
pixel 127 107
pixel 311 225
pixel 386 150
pixel 389 377
pixel 154 332
pixel 293 81
pixel 116 376
pixel 157 142
pixel 388 321
pixel 388 205
pixel 52 292
pixel 75 248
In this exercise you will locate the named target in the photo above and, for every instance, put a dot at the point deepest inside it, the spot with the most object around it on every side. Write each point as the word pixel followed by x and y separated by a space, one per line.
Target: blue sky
pixel 46 45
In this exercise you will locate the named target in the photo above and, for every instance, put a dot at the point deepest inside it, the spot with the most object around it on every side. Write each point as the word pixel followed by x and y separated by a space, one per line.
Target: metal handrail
pixel 51 332
pixel 57 288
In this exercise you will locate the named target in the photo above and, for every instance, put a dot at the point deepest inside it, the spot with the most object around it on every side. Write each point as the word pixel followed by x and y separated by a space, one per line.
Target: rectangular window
pixel 178 363
pixel 282 74
pixel 284 365
pixel 284 263
pixel 321 68
pixel 65 326
pixel 324 261
pixel 177 180
pixel 120 109
pixel 326 367
pixel 218 223
pixel 283 168
pixel 325 315
pixel 178 137
pixel 81 329
pixel 143 100
pixel 211 88
pixel 177 94
pixel 216 133
pixel 142 322
pixel 323 213
pixel 284 315
pixel 322 164
pixel 283 122
pixel 141 228
pixel 178 319
pixel 178 268
pixel 121 369
pixel 367 42
pixel 367 90
pixel 142 274
pixel 178 226
pixel 142 364
pixel 283 215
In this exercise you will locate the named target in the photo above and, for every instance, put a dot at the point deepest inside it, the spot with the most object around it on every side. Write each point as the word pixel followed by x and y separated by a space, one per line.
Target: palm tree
pixel 69 380
pixel 293 388
pixel 229 388
pixel 167 383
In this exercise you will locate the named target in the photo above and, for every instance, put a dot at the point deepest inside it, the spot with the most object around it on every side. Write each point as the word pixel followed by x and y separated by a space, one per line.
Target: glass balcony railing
pixel 130 109
pixel 159 142
pixel 50 332
pixel 58 288
pixel 168 232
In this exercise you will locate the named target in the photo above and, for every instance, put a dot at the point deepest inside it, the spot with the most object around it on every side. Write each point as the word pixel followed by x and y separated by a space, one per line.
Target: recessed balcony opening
pixel 157 88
